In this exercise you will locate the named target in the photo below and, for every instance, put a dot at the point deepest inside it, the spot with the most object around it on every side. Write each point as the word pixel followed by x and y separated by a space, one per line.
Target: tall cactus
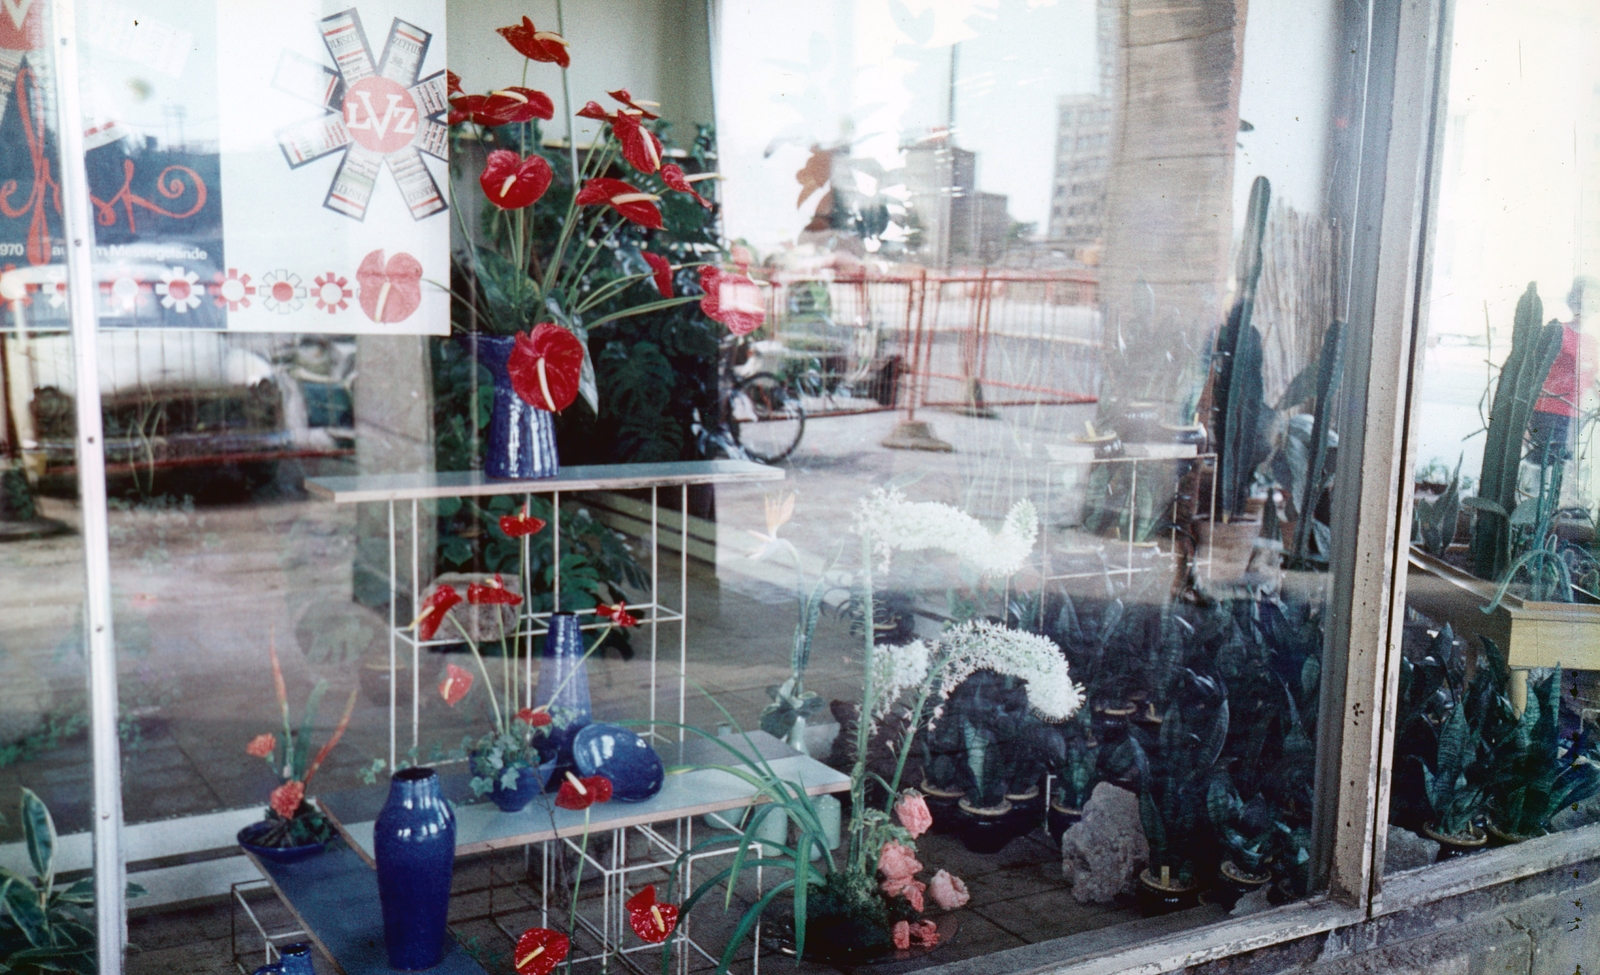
pixel 1238 397
pixel 1533 351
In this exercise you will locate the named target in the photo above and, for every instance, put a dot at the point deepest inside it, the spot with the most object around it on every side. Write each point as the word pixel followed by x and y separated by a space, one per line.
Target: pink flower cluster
pixel 899 866
pixel 925 933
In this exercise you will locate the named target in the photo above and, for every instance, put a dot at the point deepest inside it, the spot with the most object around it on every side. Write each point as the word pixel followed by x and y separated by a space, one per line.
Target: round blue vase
pixel 414 841
pixel 296 959
pixel 628 761
pixel 564 686
pixel 522 440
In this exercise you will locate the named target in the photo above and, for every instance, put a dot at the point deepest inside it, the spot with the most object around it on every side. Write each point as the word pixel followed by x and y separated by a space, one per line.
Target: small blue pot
pixel 530 781
pixel 249 836
pixel 522 439
pixel 296 959
pixel 414 840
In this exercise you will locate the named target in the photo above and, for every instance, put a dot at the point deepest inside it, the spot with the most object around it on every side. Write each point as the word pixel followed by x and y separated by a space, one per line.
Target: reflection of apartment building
pixel 1083 149
pixel 958 222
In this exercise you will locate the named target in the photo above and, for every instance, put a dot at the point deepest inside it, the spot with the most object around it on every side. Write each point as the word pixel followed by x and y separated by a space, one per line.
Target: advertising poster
pixel 252 166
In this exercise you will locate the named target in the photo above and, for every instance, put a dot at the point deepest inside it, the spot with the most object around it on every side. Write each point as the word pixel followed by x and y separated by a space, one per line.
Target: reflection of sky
pixel 142 58
pixel 876 74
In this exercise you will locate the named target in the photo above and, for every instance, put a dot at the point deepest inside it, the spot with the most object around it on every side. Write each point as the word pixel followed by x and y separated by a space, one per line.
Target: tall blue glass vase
pixel 414 841
pixel 564 686
pixel 522 440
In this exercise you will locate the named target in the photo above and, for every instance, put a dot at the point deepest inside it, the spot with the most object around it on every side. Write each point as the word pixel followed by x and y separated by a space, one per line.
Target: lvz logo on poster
pixel 284 178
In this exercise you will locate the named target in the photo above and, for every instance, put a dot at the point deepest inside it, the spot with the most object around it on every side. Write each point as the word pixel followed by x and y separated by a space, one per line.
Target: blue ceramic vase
pixel 522 439
pixel 414 841
pixel 564 686
pixel 296 959
pixel 621 756
pixel 530 781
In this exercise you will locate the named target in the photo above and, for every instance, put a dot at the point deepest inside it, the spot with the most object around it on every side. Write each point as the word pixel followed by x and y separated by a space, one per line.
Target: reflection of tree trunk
pixel 1169 201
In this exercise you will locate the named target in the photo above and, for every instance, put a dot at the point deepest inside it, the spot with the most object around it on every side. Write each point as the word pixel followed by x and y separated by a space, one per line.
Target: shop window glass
pixel 1496 717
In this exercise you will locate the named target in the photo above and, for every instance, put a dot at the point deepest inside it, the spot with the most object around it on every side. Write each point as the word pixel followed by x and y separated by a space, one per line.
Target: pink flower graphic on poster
pixel 332 295
pixel 178 290
pixel 282 291
pixel 234 291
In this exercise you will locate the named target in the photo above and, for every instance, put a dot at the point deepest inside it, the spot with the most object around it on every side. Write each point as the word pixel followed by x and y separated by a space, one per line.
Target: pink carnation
pixel 912 811
pixel 910 889
pixel 902 935
pixel 898 862
pixel 925 932
pixel 948 891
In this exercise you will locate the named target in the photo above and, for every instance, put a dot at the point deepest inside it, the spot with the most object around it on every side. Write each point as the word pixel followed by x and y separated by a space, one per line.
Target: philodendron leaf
pixel 40 833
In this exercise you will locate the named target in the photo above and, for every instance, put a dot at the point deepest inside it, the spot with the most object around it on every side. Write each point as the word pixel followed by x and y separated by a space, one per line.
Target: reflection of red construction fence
pixel 976 340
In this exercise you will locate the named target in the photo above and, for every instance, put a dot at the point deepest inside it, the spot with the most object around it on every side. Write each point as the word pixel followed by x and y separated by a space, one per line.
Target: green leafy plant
pixel 1174 782
pixel 1434 522
pixel 1531 776
pixel 1250 835
pixel 1239 405
pixel 43 927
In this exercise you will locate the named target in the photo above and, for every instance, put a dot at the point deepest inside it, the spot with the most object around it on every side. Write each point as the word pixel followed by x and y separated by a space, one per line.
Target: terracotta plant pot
pixel 1451 847
pixel 1156 898
pixel 986 829
pixel 1499 837
pixel 1234 883
pixel 1027 810
pixel 943 805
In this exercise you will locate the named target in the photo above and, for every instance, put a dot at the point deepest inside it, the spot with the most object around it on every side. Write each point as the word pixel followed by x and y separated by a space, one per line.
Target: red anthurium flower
pixel 536 44
pixel 521 524
pixel 628 201
pixel 539 951
pixel 622 95
pixel 672 175
pixel 594 111
pixel 579 794
pixel 639 145
pixel 452 83
pixel 473 107
pixel 546 366
pixel 286 798
pixel 456 684
pixel 492 593
pixel 732 299
pixel 617 614
pixel 661 271
pixel 444 599
pixel 261 746
pixel 519 105
pixel 650 920
pixel 534 718
pixel 511 182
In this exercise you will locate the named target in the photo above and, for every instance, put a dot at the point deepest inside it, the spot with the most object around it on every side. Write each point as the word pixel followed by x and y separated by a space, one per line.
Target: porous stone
pixel 1407 850
pixel 1102 854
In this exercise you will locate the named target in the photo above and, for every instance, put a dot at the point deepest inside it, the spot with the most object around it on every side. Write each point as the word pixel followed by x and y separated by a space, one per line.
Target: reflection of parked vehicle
pixel 205 401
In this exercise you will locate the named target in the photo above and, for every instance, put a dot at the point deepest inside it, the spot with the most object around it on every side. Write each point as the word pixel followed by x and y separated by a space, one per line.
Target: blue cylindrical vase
pixel 414 841
pixel 296 959
pixel 522 439
pixel 564 686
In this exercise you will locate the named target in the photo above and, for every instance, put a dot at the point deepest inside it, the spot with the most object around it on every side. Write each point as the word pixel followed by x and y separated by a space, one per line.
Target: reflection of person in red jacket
pixel 1571 376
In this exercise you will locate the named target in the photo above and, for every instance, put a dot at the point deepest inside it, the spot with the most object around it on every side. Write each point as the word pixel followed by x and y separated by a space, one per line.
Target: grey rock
pixel 1407 851
pixel 1251 903
pixel 1102 854
pixel 1581 814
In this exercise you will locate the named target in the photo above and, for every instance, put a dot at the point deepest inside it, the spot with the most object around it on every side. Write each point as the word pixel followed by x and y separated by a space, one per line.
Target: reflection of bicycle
pixel 762 413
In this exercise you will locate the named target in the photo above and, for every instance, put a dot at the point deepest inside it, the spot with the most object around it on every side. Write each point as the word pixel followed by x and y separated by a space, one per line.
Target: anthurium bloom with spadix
pixel 452 83
pixel 546 366
pixel 594 110
pixel 521 524
pixel 650 919
pixel 618 614
pixel 434 607
pixel 539 951
pixel 519 105
pixel 625 97
pixel 627 200
pixel 579 794
pixel 536 44
pixel 672 174
pixel 457 682
pixel 732 299
pixel 512 182
pixel 661 272
pixel 639 145
pixel 492 593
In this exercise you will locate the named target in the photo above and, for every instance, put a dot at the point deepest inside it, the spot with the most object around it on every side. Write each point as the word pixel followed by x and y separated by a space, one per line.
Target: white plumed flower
pixel 891 523
pixel 896 670
pixel 978 645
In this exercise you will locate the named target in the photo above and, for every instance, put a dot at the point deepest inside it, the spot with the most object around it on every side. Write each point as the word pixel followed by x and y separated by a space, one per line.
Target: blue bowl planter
pixel 249 838
pixel 634 768
pixel 414 841
pixel 530 782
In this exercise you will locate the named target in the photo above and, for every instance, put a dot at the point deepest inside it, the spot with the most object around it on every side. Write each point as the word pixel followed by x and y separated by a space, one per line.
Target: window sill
pixel 1424 885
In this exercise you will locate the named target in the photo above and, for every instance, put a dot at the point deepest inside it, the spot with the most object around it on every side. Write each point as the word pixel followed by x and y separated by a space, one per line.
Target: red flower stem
pixel 594 252
pixel 577 880
pixel 287 771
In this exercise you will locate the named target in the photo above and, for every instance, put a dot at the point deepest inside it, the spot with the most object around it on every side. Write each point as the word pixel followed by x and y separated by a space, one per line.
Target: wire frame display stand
pixel 404 496
pixel 239 899
pixel 1192 467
